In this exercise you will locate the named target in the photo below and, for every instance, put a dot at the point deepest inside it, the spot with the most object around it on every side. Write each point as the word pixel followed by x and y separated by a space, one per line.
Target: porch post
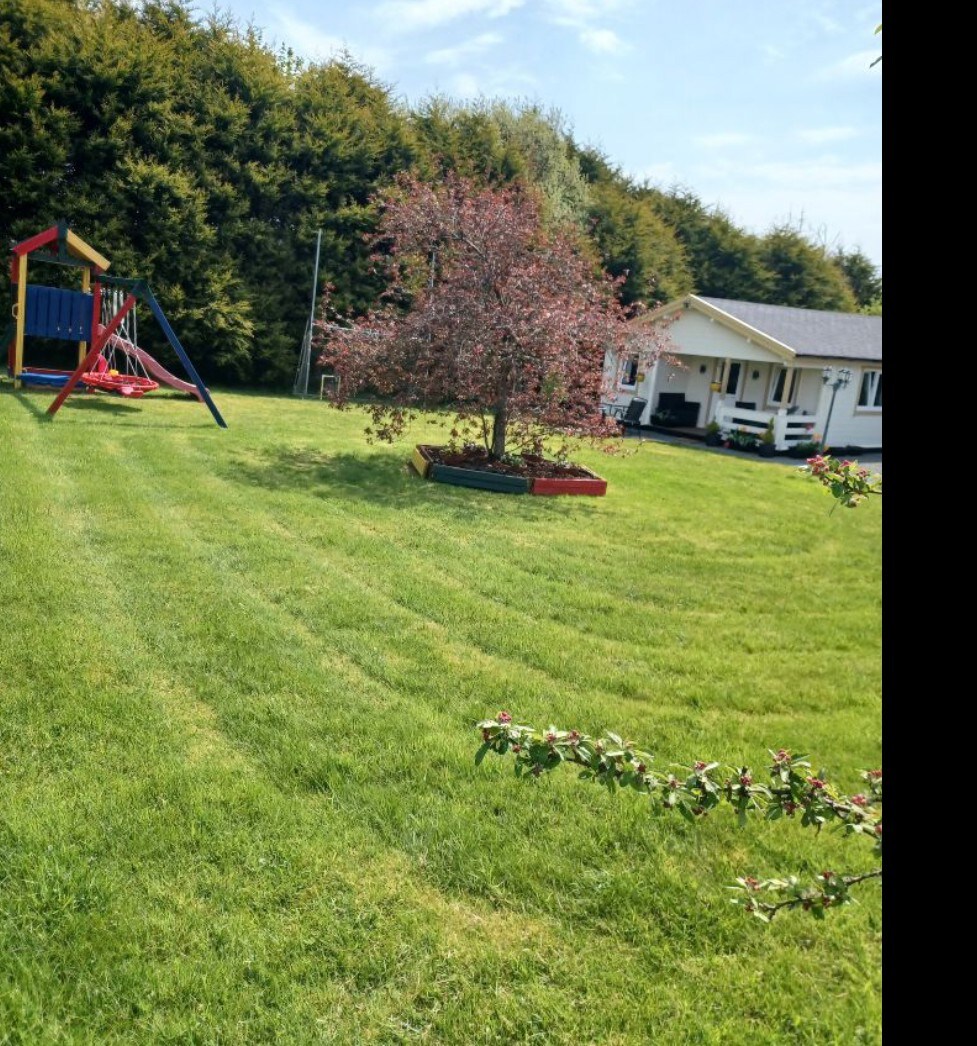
pixel 780 429
pixel 716 398
pixel 652 383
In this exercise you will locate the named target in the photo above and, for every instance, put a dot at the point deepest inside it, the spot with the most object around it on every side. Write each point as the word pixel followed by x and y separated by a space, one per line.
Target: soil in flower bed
pixel 530 466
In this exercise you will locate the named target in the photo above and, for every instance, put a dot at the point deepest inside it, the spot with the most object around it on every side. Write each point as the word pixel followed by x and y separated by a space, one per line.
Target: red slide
pixel 156 369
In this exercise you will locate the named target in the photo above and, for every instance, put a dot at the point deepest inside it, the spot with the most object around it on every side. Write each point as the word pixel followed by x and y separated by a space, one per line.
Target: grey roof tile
pixel 810 332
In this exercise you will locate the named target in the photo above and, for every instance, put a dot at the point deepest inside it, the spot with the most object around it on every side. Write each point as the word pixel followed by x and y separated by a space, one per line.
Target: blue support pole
pixel 147 295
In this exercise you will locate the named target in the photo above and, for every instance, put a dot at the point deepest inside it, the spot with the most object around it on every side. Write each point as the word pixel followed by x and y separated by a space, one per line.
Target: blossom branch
pixel 792 790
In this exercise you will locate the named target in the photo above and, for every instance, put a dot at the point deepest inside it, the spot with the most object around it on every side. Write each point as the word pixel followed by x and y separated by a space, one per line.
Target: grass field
pixel 239 672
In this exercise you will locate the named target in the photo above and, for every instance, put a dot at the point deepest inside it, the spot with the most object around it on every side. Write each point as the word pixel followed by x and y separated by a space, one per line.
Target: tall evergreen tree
pixel 863 277
pixel 804 273
pixel 726 262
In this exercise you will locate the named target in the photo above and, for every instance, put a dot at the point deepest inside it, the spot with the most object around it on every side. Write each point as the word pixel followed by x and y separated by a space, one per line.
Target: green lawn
pixel 240 673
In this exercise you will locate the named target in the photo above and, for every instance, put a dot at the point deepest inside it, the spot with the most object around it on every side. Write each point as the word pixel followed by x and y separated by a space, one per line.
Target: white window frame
pixel 791 391
pixel 632 365
pixel 728 388
pixel 870 383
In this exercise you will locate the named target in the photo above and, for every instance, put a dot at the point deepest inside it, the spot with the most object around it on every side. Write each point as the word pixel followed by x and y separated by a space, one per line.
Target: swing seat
pixel 129 385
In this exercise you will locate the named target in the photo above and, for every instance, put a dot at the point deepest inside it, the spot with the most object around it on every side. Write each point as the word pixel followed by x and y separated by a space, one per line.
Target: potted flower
pixel 741 439
pixel 768 444
pixel 807 448
pixel 664 418
pixel 714 434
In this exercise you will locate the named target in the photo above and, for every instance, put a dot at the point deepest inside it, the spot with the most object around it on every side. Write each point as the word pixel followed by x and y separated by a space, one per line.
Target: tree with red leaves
pixel 487 312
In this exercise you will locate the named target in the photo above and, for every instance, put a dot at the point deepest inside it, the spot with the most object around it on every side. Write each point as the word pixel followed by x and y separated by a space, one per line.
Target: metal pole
pixel 305 358
pixel 315 277
pixel 831 407
pixel 836 381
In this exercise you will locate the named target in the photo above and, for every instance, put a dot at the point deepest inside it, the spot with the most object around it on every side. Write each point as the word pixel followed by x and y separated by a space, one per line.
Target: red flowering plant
pixel 489 312
pixel 789 790
pixel 849 482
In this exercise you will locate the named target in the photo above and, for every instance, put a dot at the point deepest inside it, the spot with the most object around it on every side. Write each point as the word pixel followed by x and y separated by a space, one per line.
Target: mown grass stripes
pixel 240 670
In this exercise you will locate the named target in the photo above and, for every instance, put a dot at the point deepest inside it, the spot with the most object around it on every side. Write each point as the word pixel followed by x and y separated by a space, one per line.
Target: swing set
pixel 100 318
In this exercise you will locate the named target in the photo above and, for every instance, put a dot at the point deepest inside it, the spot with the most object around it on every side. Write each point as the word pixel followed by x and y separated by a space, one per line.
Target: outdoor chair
pixel 631 418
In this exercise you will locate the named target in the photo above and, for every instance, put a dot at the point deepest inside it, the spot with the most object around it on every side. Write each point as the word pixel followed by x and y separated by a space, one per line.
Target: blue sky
pixel 766 108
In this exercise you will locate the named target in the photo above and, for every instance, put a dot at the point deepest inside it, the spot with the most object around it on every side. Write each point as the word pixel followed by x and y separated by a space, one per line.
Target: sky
pixel 767 109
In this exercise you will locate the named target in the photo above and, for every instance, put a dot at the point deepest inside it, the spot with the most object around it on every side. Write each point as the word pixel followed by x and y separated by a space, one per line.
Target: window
pixel 779 383
pixel 629 371
pixel 733 379
pixel 870 393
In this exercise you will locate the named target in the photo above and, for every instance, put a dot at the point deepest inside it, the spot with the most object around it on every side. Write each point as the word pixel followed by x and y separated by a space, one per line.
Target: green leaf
pixel 480 754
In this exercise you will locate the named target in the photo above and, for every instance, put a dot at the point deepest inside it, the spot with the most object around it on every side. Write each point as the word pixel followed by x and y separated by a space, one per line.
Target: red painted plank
pixel 595 486
pixel 36 241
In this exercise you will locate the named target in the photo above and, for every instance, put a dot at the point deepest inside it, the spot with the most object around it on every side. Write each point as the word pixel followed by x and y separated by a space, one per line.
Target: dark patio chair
pixel 631 418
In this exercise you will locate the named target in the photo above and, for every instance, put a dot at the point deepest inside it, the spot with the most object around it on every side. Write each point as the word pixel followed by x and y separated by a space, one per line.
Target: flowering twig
pixel 792 790
pixel 849 482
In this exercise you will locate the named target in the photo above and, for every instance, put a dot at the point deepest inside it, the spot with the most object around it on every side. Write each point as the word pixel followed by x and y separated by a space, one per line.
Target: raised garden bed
pixel 526 474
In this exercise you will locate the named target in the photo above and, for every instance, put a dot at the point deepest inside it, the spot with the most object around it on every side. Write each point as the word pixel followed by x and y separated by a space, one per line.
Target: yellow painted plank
pixel 21 317
pixel 83 250
pixel 420 463
pixel 86 284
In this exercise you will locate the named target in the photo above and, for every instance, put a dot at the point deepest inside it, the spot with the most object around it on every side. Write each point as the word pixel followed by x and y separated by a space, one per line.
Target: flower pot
pixel 715 386
pixel 802 452
pixel 714 439
pixel 766 450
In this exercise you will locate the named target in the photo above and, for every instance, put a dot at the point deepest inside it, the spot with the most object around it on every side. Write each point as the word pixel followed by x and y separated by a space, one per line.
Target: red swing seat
pixel 131 385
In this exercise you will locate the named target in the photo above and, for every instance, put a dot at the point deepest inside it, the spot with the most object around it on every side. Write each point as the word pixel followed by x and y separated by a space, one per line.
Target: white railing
pixel 788 429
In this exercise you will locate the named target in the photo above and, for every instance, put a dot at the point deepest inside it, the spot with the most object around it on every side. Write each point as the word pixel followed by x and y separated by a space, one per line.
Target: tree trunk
pixel 499 423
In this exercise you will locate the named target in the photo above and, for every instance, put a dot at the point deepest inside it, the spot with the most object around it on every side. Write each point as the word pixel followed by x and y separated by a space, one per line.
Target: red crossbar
pixel 98 343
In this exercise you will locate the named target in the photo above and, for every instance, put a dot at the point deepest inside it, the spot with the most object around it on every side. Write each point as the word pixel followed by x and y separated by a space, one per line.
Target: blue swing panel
pixel 56 313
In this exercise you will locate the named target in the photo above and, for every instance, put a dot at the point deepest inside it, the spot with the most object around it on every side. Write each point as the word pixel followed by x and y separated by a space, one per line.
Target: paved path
pixel 871 459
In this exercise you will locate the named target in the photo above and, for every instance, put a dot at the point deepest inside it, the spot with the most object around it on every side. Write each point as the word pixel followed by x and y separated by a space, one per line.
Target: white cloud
pixel 833 201
pixel 722 140
pixel 825 173
pixel 665 173
pixel 583 16
pixel 582 12
pixel 465 86
pixel 603 41
pixel 821 135
pixel 312 43
pixel 423 14
pixel 457 54
pixel 827 23
pixel 854 65
pixel 505 82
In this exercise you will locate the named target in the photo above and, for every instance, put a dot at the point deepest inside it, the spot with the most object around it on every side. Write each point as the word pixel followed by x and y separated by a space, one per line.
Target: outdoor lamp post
pixel 836 382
